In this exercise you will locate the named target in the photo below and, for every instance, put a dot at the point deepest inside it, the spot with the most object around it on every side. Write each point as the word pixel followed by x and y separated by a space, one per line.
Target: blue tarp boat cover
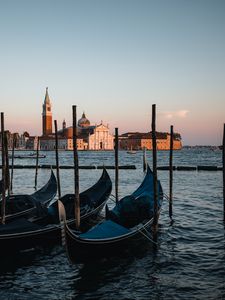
pixel 107 229
pixel 137 207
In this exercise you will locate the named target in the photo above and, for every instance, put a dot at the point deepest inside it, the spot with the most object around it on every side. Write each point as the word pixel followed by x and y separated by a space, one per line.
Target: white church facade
pixel 101 139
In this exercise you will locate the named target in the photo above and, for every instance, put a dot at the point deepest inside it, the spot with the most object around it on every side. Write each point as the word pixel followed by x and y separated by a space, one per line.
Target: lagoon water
pixel 189 262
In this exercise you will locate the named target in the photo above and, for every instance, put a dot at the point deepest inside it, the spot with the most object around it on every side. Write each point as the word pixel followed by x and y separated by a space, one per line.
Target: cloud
pixel 182 113
pixel 175 114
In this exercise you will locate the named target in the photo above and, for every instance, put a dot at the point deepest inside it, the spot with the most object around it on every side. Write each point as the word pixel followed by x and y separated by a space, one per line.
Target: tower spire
pixel 64 124
pixel 47 99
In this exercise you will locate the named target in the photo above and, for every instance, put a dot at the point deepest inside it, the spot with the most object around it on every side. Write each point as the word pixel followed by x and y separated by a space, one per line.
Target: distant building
pixel 138 141
pixel 90 137
pixel 20 141
pixel 95 137
pixel 48 143
pixel 32 143
pixel 100 139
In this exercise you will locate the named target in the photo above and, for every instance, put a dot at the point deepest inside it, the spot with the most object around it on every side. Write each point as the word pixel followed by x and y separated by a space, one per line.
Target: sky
pixel 114 59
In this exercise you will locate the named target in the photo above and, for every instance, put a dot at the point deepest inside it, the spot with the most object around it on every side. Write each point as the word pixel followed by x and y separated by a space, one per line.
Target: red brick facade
pixel 46 125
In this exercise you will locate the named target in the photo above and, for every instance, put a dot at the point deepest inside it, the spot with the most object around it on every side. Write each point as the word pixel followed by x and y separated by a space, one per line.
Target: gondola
pixel 24 234
pixel 28 205
pixel 131 151
pixel 124 224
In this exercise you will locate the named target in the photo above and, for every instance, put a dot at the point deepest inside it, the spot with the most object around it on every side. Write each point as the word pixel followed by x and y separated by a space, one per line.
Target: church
pixel 90 137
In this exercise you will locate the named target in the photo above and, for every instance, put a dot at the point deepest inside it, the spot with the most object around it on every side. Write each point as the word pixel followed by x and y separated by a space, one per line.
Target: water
pixel 189 262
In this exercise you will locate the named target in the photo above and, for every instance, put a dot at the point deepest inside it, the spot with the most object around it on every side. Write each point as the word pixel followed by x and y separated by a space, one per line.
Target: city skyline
pixel 114 59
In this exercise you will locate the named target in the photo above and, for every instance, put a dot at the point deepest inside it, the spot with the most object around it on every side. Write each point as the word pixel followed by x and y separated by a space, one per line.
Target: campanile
pixel 47 116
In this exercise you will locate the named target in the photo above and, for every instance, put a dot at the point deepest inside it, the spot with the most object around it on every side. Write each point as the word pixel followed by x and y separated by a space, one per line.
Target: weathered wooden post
pixel 116 164
pixel 7 175
pixel 144 159
pixel 3 169
pixel 12 163
pixel 76 169
pixel 37 158
pixel 171 174
pixel 155 183
pixel 57 158
pixel 223 171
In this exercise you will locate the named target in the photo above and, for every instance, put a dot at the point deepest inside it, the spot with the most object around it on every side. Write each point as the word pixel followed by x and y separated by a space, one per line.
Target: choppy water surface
pixel 189 262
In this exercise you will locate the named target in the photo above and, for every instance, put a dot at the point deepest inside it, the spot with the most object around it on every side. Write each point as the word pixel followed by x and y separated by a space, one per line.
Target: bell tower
pixel 47 116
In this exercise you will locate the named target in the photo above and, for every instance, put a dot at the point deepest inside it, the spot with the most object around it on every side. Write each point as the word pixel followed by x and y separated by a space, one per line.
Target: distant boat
pixel 30 155
pixel 131 151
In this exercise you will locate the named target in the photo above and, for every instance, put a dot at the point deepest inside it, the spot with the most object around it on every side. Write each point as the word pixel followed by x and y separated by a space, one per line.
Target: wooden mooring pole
pixel 155 183
pixel 37 158
pixel 57 158
pixel 3 169
pixel 12 162
pixel 76 169
pixel 223 172
pixel 144 160
pixel 171 174
pixel 116 164
pixel 7 175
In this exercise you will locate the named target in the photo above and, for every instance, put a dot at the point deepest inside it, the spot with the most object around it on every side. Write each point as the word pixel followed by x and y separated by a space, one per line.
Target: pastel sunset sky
pixel 114 59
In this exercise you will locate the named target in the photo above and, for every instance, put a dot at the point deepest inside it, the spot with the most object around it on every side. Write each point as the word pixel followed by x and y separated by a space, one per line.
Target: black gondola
pixel 23 234
pixel 28 205
pixel 128 221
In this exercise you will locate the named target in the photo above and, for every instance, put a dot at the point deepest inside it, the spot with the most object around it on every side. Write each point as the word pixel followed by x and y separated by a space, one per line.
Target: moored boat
pixel 125 223
pixel 22 234
pixel 22 205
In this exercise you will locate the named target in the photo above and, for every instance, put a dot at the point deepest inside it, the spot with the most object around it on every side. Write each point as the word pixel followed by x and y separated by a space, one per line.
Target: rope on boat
pixel 147 236
pixel 114 200
pixel 63 234
pixel 165 196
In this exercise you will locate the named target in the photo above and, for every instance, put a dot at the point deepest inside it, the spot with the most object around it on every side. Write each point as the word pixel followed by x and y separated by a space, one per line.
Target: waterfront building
pixel 95 137
pixel 90 137
pixel 101 139
pixel 48 143
pixel 20 141
pixel 32 143
pixel 138 141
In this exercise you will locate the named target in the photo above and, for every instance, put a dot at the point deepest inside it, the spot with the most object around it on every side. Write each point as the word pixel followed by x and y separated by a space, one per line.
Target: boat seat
pixel 130 211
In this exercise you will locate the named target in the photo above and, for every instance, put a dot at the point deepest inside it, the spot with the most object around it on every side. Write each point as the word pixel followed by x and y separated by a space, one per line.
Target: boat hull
pixel 81 251
pixel 44 237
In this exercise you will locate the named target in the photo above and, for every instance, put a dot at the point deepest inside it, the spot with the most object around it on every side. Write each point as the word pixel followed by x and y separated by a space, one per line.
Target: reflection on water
pixel 189 262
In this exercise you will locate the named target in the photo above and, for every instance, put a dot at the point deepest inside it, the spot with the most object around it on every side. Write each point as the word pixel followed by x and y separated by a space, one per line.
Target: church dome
pixel 83 122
